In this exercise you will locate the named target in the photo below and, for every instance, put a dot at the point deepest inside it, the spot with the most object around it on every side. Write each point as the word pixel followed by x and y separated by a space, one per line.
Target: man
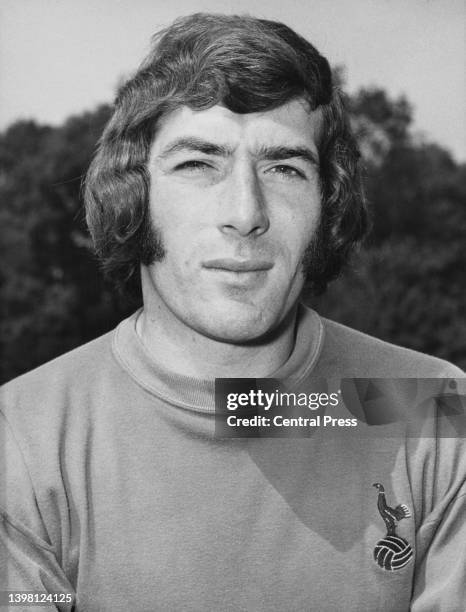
pixel 225 183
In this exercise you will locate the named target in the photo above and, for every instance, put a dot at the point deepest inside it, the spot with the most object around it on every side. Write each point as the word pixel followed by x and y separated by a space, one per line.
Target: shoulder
pixel 351 353
pixel 55 383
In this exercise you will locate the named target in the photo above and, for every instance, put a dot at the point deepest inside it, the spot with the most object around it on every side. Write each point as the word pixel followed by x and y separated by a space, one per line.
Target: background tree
pixel 408 285
pixel 53 297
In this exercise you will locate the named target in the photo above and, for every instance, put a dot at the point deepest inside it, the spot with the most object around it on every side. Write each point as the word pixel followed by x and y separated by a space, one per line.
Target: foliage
pixel 53 295
pixel 406 286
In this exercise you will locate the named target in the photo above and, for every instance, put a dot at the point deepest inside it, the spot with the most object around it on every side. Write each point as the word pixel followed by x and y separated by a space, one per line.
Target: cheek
pixel 169 204
pixel 184 249
pixel 178 226
pixel 297 214
pixel 296 234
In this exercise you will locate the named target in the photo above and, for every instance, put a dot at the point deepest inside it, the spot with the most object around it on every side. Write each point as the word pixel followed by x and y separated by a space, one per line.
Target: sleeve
pixel 440 581
pixel 28 561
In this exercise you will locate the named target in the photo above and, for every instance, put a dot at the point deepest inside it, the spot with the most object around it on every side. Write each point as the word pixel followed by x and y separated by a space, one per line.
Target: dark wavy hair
pixel 248 65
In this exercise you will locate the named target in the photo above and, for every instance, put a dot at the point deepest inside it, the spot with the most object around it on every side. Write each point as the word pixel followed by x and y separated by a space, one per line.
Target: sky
pixel 61 57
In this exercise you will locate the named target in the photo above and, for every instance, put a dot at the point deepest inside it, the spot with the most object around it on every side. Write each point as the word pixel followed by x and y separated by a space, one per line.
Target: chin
pixel 240 327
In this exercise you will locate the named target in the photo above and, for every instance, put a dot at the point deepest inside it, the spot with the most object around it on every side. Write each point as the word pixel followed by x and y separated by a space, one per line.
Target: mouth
pixel 238 266
pixel 239 274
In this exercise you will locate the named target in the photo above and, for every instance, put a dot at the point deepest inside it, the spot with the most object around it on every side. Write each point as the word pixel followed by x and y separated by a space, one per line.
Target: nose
pixel 244 210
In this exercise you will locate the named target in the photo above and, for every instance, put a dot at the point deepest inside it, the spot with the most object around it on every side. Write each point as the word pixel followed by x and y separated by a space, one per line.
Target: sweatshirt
pixel 114 488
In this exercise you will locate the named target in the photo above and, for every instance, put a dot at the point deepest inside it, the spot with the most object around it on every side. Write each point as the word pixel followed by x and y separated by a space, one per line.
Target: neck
pixel 192 354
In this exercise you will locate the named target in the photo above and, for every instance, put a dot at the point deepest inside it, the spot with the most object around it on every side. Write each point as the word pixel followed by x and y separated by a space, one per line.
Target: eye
pixel 287 171
pixel 193 165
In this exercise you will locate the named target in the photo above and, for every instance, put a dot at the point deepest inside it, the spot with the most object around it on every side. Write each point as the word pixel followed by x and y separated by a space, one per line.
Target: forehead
pixel 291 124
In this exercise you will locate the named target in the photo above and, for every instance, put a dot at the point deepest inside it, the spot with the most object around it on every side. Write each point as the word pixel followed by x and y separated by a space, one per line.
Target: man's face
pixel 236 201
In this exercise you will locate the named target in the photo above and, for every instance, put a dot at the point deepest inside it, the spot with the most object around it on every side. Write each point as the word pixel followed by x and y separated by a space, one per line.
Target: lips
pixel 238 265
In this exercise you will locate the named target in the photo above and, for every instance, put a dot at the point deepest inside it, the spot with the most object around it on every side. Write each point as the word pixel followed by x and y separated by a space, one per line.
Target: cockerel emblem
pixel 392 552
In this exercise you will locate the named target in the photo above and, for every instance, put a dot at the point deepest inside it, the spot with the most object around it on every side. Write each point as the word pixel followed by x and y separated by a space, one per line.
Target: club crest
pixel 391 552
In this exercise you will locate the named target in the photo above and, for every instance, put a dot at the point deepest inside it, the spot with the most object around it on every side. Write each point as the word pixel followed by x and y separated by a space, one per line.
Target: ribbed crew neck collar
pixel 199 394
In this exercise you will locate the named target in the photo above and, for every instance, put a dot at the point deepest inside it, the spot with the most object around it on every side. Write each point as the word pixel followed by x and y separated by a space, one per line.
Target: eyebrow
pixel 280 152
pixel 193 143
pixel 272 153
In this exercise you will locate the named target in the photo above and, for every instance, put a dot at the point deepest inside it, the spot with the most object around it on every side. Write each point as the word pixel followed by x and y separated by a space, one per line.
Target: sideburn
pixel 315 262
pixel 151 247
